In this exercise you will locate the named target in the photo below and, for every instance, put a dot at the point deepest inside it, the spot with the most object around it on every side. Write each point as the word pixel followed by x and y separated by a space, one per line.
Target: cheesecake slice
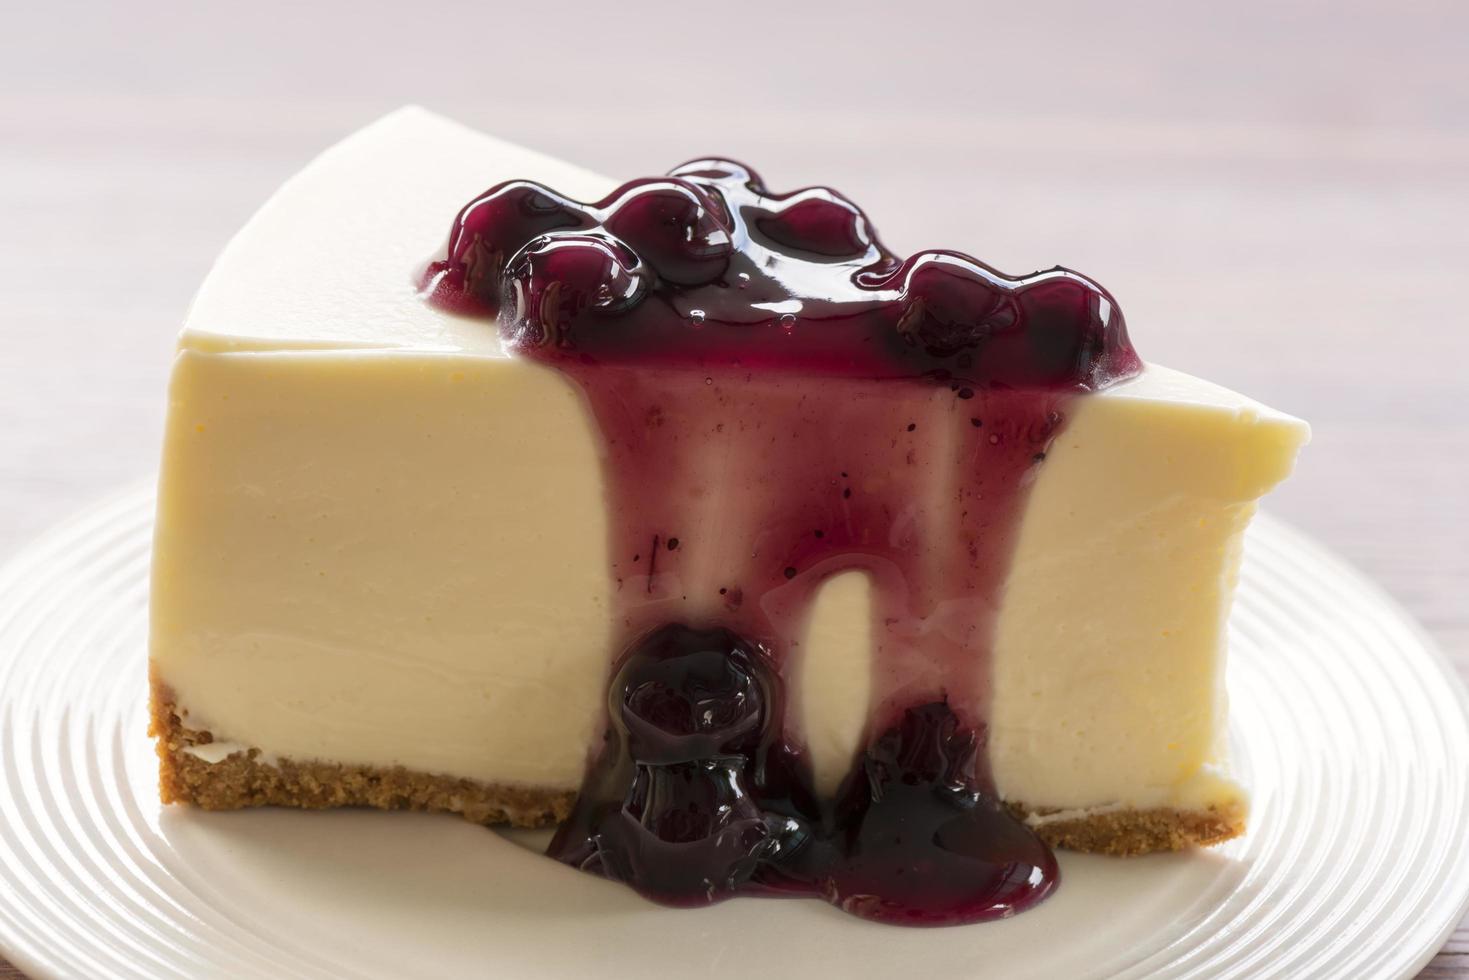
pixel 394 557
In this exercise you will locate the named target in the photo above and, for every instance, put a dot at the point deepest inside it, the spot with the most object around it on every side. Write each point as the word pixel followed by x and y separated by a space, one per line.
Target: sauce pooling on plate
pixel 780 400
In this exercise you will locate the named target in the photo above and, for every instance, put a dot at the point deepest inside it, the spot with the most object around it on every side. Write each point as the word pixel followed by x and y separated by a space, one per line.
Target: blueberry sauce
pixel 696 796
pixel 781 399
pixel 706 267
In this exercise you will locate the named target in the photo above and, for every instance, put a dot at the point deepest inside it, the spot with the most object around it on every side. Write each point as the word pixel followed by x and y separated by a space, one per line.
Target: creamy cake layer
pixel 383 558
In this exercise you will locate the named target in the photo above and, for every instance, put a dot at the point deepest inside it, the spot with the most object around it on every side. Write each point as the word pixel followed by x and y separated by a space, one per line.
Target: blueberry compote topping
pixel 782 400
pixel 706 265
pixel 696 796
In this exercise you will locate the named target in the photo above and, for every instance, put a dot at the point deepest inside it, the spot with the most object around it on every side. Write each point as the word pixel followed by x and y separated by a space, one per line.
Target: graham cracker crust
pixel 1128 832
pixel 246 779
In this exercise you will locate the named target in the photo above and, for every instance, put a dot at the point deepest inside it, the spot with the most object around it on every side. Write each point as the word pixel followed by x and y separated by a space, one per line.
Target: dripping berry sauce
pixel 782 400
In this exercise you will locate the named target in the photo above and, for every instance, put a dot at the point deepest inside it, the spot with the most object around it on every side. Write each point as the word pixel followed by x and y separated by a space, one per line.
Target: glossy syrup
pixel 781 399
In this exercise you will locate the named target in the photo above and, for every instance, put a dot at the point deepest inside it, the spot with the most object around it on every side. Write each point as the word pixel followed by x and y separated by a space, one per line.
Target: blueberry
pixel 497 224
pixel 1065 332
pixel 1051 329
pixel 675 228
pixel 818 221
pixel 951 304
pixel 550 283
pixel 718 172
pixel 682 695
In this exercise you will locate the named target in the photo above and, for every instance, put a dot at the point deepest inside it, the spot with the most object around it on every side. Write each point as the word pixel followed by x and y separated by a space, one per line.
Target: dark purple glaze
pixel 707 268
pixel 697 795
pixel 781 399
pixel 918 837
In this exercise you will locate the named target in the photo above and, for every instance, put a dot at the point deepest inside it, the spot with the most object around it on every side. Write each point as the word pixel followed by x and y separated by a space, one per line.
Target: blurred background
pixel 1277 192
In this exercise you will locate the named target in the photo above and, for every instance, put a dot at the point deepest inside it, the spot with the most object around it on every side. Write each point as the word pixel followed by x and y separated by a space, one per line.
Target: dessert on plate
pixel 684 514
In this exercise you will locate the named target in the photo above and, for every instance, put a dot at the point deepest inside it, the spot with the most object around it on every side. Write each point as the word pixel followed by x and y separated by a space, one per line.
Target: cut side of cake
pixel 389 570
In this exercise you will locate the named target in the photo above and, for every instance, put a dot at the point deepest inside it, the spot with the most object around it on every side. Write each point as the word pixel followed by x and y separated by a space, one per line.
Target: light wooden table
pixel 1276 192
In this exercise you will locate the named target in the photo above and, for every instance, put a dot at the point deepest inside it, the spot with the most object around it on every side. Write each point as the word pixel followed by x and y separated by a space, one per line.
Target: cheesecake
pixel 686 496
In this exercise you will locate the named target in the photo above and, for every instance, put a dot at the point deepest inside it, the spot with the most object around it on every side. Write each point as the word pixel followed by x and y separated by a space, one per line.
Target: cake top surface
pixel 333 262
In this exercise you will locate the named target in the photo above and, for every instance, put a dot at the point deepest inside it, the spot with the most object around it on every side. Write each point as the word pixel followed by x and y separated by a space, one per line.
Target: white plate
pixel 1349 726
